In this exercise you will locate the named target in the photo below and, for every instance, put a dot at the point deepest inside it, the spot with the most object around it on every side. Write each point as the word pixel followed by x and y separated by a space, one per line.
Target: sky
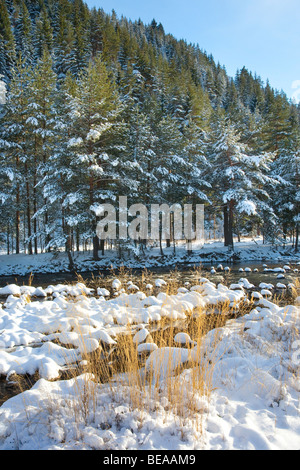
pixel 262 35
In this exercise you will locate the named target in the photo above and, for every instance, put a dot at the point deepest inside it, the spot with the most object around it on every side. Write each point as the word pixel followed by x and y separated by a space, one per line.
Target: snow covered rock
pixel 116 284
pixel 141 336
pixel 11 289
pixel 184 339
pixel 103 292
pixel 160 283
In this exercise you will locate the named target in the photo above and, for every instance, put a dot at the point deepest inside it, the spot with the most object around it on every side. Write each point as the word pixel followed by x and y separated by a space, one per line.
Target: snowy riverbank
pixel 251 367
pixel 247 250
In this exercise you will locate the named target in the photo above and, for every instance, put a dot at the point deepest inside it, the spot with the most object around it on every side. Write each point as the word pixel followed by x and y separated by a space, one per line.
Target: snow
pixel 281 286
pixel 183 339
pixel 75 142
pixel 246 250
pixel 116 284
pixel 140 336
pixel 266 293
pixel 264 285
pixel 250 367
pixel 10 290
pixel 247 207
pixel 163 361
pixel 103 292
pixel 47 360
pixel 146 347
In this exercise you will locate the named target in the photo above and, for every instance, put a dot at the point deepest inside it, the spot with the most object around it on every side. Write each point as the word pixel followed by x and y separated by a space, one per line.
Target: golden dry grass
pixel 122 368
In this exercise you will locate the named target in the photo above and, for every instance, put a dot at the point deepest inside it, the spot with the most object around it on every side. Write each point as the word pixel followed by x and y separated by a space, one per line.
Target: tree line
pixel 98 107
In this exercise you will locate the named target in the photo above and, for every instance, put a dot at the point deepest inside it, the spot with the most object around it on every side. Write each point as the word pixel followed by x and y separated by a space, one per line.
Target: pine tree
pixel 238 178
pixel 141 132
pixel 44 33
pixel 64 48
pixel 23 34
pixel 14 152
pixel 41 121
pixel 286 168
pixel 277 126
pixel 82 34
pixel 7 42
pixel 97 108
pixel 61 178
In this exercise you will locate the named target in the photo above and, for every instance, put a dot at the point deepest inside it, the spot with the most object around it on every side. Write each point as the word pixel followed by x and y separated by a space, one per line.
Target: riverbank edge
pixel 12 266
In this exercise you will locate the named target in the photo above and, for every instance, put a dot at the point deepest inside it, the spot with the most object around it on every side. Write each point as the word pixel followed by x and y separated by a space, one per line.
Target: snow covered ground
pixel 251 368
pixel 213 251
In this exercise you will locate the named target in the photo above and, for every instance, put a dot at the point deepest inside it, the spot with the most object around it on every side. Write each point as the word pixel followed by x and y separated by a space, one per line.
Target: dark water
pixel 181 274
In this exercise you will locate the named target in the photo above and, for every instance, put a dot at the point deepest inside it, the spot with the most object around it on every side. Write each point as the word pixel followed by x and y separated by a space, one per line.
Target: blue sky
pixel 262 35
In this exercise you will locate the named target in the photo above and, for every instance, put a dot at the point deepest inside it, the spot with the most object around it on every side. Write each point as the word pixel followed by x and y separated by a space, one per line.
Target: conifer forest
pixel 98 106
pixel 149 228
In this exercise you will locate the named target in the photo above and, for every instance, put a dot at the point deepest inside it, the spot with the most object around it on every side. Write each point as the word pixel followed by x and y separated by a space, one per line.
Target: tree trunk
pixel 18 213
pixel 226 225
pixel 7 240
pixel 28 212
pixel 297 239
pixel 102 247
pixel 71 262
pixel 77 239
pixel 96 248
pixel 18 224
pixel 160 239
pixel 285 230
pixel 230 225
pixel 69 240
pixel 35 230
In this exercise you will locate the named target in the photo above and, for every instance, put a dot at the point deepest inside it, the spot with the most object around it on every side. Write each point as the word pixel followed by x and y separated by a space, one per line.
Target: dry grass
pixel 122 369
pixel 124 366
pixel 296 289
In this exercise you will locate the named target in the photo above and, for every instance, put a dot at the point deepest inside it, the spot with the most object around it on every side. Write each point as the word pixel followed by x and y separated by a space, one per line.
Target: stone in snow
pixel 140 336
pixel 116 284
pixel 257 295
pixel 11 289
pixel 133 287
pixel 183 339
pixel 39 292
pixel 182 290
pixel 160 283
pixel 266 293
pixel 103 292
pixel 281 276
pixel 146 347
pixel 103 336
pixel 236 287
pixel 263 285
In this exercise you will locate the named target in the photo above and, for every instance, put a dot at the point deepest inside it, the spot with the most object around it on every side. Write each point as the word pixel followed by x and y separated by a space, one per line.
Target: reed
pixel 180 379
